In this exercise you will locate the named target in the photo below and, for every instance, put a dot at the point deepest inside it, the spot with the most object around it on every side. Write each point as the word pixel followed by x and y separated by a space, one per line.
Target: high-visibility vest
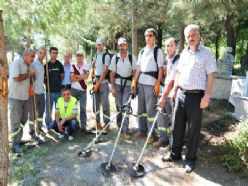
pixel 61 106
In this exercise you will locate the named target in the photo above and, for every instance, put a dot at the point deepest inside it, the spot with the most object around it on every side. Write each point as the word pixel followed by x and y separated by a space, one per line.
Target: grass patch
pixel 27 166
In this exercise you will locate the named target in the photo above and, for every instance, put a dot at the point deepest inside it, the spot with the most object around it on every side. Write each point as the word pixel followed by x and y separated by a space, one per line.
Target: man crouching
pixel 66 115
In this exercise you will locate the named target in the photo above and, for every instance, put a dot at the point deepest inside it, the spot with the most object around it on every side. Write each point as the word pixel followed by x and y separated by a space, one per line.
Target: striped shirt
pixel 194 68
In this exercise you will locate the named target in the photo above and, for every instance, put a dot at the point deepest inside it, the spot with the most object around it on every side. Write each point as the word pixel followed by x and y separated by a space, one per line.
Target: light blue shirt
pixel 39 76
pixel 67 78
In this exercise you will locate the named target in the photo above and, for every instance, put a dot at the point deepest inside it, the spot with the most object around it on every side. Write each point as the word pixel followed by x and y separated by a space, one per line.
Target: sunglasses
pixel 54 52
pixel 149 35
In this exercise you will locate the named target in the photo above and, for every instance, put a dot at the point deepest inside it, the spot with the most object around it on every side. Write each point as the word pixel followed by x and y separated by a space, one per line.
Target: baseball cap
pixel 122 40
pixel 99 41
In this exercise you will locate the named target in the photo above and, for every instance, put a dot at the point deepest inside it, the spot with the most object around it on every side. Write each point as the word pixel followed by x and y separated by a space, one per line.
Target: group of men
pixel 187 90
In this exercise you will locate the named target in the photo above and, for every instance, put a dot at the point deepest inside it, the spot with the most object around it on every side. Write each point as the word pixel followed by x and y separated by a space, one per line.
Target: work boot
pixel 98 125
pixel 106 130
pixel 127 136
pixel 160 144
pixel 140 134
pixel 150 140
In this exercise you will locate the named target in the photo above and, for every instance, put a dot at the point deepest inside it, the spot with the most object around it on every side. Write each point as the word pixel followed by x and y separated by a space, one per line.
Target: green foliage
pixel 26 166
pixel 234 153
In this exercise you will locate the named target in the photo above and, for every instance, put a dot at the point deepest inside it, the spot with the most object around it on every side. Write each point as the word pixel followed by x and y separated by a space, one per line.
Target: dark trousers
pixel 187 110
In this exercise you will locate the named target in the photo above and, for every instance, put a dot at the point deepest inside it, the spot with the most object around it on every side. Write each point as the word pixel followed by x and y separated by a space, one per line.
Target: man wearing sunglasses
pixel 56 75
pixel 66 115
pixel 149 76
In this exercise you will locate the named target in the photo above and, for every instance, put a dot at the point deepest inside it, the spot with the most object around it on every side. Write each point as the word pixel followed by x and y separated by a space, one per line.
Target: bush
pixel 234 153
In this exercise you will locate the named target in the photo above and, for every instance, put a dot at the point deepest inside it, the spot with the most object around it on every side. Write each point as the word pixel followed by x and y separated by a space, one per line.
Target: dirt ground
pixel 56 163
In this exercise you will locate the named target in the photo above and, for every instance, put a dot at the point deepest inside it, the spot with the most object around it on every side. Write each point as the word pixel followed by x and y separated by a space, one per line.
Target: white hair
pixel 28 51
pixel 191 27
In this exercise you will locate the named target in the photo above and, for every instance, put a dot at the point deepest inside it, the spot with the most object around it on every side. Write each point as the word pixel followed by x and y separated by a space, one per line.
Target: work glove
pixel 134 88
pixel 96 86
pixel 156 88
pixel 30 91
pixel 92 73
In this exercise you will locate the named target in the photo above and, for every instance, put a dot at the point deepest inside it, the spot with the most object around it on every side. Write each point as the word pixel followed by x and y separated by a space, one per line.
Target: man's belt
pixel 151 73
pixel 126 78
pixel 195 91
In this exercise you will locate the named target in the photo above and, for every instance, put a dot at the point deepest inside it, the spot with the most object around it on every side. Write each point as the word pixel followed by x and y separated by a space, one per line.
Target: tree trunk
pixel 217 39
pixel 182 38
pixel 4 144
pixel 134 33
pixel 230 34
pixel 28 45
pixel 160 37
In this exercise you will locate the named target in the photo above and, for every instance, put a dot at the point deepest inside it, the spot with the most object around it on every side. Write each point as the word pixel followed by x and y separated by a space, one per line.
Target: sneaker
pixel 127 136
pixel 150 140
pixel 71 138
pixel 190 166
pixel 159 144
pixel 140 134
pixel 61 136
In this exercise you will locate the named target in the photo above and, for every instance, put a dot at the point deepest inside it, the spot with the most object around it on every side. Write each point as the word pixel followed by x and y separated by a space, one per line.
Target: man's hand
pixel 204 101
pixel 31 72
pixel 113 92
pixel 161 102
pixel 60 125
pixel 157 88
pixel 96 86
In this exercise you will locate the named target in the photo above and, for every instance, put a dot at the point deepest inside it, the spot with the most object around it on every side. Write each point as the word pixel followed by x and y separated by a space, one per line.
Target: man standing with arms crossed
pixel 192 90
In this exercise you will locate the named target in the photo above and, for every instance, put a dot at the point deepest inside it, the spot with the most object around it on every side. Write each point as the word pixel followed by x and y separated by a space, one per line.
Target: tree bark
pixel 182 38
pixel 217 39
pixel 230 34
pixel 4 144
pixel 160 36
pixel 134 33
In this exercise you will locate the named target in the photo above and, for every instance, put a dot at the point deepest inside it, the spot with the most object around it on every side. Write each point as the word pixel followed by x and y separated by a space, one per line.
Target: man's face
pixel 80 58
pixel 171 47
pixel 122 47
pixel 150 38
pixel 54 54
pixel 100 47
pixel 193 38
pixel 41 54
pixel 67 58
pixel 66 95
pixel 29 58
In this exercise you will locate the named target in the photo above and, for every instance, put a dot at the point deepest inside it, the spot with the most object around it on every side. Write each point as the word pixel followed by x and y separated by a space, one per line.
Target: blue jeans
pixel 54 96
pixel 71 124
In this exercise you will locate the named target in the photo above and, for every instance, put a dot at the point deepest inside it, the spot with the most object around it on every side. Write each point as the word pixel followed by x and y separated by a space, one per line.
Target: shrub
pixel 234 153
